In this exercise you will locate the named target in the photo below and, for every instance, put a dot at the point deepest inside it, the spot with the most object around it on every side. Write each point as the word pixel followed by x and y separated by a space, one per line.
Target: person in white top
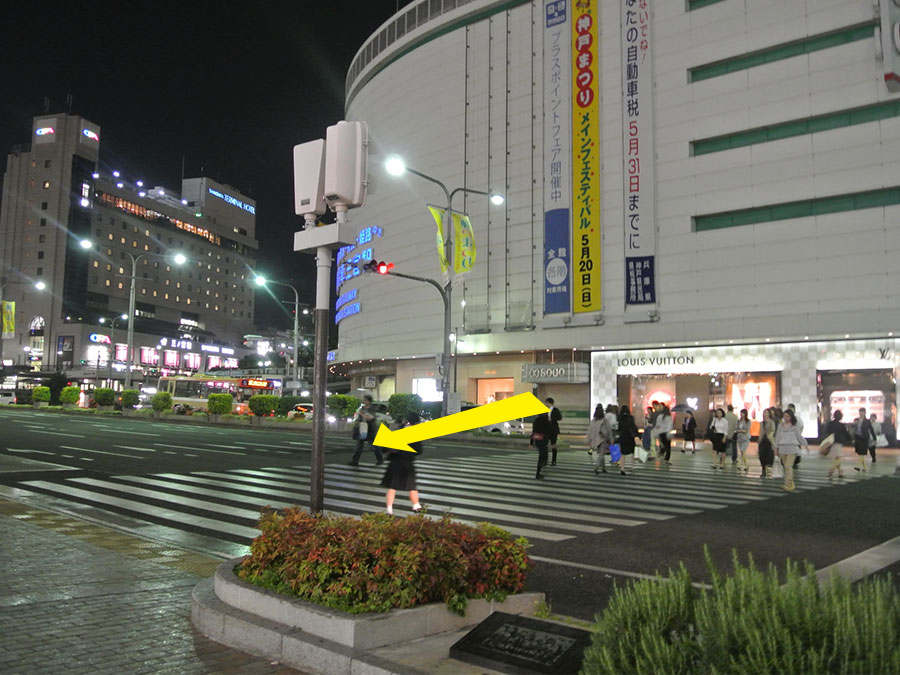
pixel 718 429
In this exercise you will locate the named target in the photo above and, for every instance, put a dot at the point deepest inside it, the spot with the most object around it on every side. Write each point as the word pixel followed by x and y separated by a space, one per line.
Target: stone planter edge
pixel 358 631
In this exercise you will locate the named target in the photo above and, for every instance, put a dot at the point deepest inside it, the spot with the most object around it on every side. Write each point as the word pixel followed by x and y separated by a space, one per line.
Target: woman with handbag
pixel 540 438
pixel 840 437
pixel 766 443
pixel 663 429
pixel 689 428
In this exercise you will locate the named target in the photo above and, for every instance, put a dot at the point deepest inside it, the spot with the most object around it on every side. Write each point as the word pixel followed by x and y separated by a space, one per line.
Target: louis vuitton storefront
pixel 818 377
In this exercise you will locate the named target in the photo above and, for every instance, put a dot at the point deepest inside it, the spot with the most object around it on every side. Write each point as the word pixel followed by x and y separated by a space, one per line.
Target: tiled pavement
pixel 76 597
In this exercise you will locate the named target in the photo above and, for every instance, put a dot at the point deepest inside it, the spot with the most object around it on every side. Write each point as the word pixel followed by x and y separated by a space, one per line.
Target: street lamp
pixel 179 259
pixel 396 167
pixel 112 339
pixel 4 282
pixel 262 281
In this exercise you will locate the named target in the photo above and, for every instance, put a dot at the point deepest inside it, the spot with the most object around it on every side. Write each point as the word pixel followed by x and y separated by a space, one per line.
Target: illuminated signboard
pixel 44 131
pixel 102 339
pixel 91 134
pixel 234 201
pixel 257 384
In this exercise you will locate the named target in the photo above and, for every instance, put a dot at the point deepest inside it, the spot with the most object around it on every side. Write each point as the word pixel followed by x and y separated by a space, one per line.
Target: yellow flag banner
pixel 464 254
pixel 8 310
pixel 438 214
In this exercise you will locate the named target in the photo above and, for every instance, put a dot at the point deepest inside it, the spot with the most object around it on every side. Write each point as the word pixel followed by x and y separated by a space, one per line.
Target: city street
pixel 201 488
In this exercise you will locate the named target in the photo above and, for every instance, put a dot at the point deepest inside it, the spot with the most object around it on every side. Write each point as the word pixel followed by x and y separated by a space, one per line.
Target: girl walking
pixel 627 433
pixel 766 443
pixel 788 441
pixel 599 437
pixel 718 428
pixel 841 438
pixel 401 472
pixel 663 428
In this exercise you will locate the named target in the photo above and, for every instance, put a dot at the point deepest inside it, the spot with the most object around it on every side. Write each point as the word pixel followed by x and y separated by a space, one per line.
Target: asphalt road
pixel 202 486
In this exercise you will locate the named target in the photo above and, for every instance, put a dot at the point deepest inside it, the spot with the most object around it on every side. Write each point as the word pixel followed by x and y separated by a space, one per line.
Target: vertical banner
pixel 65 350
pixel 438 214
pixel 464 249
pixel 8 312
pixel 586 158
pixel 557 157
pixel 638 160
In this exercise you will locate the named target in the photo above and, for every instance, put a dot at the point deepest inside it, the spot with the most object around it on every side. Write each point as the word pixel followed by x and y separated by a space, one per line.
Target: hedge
pixel 104 396
pixel 377 562
pixel 129 398
pixel 70 395
pixel 219 404
pixel 161 401
pixel 262 404
pixel 40 394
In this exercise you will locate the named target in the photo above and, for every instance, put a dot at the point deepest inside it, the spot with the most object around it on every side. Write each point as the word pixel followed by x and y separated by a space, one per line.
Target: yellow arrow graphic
pixel 522 405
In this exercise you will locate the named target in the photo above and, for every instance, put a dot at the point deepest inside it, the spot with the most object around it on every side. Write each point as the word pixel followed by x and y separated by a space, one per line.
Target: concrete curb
pixel 306 636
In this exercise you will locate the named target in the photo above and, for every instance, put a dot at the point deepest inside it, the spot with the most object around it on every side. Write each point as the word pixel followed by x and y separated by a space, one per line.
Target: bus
pixel 194 390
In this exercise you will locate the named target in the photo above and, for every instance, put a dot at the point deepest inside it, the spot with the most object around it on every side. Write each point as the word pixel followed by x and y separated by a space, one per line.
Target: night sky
pixel 226 91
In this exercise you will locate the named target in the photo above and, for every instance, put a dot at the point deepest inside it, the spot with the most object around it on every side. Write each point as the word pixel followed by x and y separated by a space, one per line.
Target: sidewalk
pixel 76 597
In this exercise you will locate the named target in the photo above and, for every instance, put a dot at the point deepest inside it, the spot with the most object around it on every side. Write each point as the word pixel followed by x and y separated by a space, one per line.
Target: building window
pixel 40 255
pixel 44 206
pixel 121 285
pixel 43 222
pixel 95 264
pixel 46 185
pixel 46 163
pixel 94 280
pixel 110 236
pixel 40 272
pixel 106 283
pixel 42 238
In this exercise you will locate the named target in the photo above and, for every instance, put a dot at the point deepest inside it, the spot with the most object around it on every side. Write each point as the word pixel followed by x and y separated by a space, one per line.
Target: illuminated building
pixel 188 318
pixel 702 198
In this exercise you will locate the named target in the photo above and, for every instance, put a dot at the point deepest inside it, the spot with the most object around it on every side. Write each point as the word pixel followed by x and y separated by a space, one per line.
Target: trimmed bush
pixel 129 398
pixel 342 405
pixel 104 396
pixel 749 622
pixel 219 404
pixel 400 405
pixel 70 395
pixel 262 404
pixel 40 394
pixel 377 563
pixel 285 403
pixel 161 401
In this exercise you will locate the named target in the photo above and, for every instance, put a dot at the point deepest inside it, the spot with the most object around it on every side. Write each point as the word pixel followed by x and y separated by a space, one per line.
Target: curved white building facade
pixel 696 193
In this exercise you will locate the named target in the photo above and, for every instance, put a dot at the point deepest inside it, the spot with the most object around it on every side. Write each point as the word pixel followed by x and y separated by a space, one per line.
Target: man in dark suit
pixel 555 417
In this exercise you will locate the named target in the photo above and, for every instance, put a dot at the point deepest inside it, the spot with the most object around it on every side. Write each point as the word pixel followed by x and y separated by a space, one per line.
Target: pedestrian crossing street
pixel 499 488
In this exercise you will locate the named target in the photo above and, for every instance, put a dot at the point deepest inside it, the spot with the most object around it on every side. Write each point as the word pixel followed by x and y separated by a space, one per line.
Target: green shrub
pixel 376 563
pixel 262 404
pixel 220 404
pixel 129 398
pixel 285 403
pixel 70 395
pixel 104 396
pixel 400 405
pixel 161 401
pixel 342 405
pixel 749 622
pixel 40 394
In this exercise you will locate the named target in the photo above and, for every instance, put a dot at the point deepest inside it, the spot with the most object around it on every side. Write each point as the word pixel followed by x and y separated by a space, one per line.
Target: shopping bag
pixel 641 454
pixel 363 430
pixel 615 452
pixel 826 444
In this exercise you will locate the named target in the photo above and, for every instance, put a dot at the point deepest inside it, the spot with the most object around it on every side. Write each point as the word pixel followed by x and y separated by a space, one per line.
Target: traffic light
pixel 378 266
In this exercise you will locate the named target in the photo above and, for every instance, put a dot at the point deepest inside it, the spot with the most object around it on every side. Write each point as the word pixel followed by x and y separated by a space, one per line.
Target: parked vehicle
pixel 509 428
pixel 7 397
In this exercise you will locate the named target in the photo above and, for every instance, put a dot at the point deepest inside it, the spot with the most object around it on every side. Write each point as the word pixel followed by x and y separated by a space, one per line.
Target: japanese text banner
pixel 586 239
pixel 8 310
pixel 438 214
pixel 464 250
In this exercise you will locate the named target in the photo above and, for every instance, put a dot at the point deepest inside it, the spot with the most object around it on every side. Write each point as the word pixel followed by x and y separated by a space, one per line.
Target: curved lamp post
pixel 262 281
pixel 396 167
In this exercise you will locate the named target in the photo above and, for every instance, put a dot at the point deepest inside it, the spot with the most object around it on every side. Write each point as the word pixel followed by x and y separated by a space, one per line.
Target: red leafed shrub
pixel 377 563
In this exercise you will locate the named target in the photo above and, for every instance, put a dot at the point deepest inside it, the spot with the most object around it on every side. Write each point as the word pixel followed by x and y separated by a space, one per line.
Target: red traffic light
pixel 385 267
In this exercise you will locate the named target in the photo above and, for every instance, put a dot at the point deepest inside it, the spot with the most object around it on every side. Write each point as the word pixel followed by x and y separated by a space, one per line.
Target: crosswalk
pixel 499 488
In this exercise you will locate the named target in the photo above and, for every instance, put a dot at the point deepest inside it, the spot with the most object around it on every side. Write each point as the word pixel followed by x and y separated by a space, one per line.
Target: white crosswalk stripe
pixel 499 488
